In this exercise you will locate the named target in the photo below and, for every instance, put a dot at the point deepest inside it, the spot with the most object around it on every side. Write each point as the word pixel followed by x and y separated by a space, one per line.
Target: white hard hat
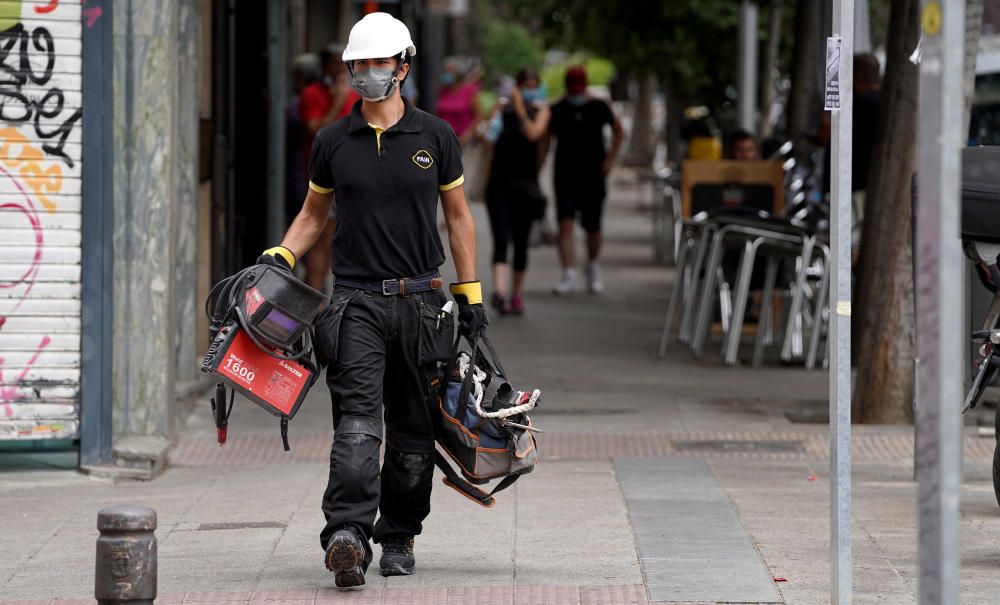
pixel 376 36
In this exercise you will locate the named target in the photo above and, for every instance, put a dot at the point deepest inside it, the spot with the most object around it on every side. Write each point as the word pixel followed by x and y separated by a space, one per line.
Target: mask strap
pixel 395 75
pixel 402 60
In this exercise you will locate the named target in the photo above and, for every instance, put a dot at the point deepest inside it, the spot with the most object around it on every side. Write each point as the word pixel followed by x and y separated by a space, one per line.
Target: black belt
pixel 396 286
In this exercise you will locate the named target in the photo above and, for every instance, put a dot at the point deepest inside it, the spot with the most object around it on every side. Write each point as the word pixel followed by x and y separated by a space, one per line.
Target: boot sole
pixel 344 559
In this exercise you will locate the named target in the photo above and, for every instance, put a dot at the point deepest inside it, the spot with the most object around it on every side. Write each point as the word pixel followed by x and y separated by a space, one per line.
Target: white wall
pixel 40 161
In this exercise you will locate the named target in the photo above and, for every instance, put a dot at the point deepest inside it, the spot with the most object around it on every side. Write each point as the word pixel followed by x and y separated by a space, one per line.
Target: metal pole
pixel 840 311
pixel 939 263
pixel 431 51
pixel 748 66
pixel 97 247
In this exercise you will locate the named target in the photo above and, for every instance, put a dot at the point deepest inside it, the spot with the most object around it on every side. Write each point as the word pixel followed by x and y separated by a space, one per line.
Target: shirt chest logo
pixel 423 159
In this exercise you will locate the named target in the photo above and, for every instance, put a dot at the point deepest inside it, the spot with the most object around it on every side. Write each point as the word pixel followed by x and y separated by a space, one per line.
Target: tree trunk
pixel 884 309
pixel 765 128
pixel 801 96
pixel 641 145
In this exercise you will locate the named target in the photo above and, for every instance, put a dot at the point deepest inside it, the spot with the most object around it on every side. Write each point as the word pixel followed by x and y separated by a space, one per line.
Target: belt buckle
pixel 386 283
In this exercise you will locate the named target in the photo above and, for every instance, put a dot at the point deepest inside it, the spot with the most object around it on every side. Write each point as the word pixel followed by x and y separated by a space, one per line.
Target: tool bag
pixel 483 423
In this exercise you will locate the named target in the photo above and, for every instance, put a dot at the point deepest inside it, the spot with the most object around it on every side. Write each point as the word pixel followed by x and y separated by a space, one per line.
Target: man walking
pixel 581 167
pixel 385 332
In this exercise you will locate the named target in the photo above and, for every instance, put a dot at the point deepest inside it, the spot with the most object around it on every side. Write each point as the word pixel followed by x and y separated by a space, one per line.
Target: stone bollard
pixel 126 556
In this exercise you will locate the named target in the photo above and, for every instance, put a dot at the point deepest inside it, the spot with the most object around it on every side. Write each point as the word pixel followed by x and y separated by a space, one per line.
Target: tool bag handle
pixel 493 360
pixel 455 481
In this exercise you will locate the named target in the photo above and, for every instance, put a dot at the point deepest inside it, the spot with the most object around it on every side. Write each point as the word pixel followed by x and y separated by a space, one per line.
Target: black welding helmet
pixel 276 307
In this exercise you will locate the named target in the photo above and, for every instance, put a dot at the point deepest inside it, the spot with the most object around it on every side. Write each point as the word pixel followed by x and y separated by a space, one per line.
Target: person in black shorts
pixel 581 168
pixel 387 330
pixel 513 196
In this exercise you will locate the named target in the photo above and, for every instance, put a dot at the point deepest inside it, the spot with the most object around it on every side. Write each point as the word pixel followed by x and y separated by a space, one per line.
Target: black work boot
pixel 346 558
pixel 397 556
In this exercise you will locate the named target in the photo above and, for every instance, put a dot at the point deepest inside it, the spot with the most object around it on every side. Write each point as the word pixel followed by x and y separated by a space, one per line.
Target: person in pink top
pixel 456 102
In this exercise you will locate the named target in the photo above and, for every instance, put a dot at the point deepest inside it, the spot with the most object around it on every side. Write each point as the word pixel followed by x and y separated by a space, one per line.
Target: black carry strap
pixel 493 360
pixel 456 482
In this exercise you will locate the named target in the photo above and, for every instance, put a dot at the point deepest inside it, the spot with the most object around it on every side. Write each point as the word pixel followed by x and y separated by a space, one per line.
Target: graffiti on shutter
pixel 40 141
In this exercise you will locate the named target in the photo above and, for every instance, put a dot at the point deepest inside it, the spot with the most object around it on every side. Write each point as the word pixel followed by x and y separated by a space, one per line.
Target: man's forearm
pixel 461 232
pixel 308 224
pixel 462 240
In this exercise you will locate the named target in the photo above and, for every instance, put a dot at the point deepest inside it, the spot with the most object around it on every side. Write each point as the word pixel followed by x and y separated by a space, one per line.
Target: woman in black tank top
pixel 513 196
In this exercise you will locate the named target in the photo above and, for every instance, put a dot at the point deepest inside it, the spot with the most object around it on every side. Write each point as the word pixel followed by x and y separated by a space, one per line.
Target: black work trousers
pixel 382 355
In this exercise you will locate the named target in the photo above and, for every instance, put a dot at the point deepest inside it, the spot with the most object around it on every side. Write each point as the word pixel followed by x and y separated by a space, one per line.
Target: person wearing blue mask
pixel 456 102
pixel 513 196
pixel 582 165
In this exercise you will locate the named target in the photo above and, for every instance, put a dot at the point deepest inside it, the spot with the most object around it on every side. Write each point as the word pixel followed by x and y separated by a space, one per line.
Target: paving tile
pixel 214 597
pixel 687 532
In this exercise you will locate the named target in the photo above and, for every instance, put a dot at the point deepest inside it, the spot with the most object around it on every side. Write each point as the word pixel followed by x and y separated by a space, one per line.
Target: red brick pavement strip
pixel 468 595
pixel 259 449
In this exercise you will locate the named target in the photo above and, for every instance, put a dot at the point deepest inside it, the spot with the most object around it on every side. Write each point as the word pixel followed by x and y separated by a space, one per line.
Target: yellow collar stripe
pixel 378 136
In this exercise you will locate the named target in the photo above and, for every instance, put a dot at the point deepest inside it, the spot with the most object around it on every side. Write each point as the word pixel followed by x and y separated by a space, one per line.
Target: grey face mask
pixel 375 83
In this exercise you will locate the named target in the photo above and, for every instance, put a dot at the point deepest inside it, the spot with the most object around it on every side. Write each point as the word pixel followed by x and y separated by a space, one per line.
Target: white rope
pixel 478 378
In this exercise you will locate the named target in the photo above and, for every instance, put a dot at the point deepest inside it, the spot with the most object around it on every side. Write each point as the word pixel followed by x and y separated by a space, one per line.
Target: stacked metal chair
pixel 700 282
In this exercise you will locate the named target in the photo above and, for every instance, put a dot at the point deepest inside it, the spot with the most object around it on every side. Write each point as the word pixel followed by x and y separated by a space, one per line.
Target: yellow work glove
pixel 472 316
pixel 278 256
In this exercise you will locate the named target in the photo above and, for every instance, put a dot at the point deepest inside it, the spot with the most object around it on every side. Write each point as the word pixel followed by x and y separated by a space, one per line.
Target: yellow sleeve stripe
pixel 318 189
pixel 452 184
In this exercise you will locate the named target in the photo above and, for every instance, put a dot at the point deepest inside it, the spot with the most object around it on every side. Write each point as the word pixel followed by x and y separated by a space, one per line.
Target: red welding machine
pixel 277 385
pixel 262 345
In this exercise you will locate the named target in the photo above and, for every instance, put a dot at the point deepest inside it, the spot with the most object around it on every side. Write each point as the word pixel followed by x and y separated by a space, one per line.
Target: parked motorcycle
pixel 981 242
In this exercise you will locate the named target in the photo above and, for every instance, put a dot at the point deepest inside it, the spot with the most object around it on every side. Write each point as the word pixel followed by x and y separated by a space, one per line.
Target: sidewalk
pixel 661 481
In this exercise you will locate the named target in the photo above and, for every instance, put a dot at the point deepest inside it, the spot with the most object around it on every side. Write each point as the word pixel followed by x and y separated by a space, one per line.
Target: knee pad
pixel 355 449
pixel 410 470
pixel 416 462
pixel 358 429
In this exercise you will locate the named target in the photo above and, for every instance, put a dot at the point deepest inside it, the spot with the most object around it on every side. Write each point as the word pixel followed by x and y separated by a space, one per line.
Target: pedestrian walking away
pixel 582 165
pixel 384 334
pixel 513 197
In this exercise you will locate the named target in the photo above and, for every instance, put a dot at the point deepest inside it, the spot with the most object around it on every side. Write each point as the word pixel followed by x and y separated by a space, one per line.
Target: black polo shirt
pixel 387 185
